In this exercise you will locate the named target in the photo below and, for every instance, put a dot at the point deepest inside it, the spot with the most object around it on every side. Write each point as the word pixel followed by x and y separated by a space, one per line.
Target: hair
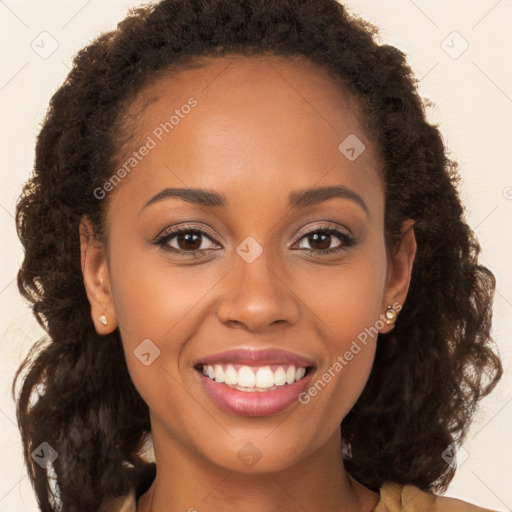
pixel 428 374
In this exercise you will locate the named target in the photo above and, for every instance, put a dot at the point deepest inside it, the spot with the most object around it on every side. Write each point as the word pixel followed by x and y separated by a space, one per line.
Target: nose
pixel 257 295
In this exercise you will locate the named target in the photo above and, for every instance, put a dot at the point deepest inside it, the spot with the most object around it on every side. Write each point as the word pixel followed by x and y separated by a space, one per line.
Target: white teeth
pixel 219 373
pixel 230 375
pixel 264 377
pixel 254 379
pixel 280 376
pixel 246 377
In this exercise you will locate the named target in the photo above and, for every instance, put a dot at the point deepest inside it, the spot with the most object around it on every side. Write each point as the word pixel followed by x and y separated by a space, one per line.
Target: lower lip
pixel 255 403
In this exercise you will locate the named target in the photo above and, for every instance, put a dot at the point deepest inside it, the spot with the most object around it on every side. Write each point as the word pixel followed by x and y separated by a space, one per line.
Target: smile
pixel 250 379
pixel 254 383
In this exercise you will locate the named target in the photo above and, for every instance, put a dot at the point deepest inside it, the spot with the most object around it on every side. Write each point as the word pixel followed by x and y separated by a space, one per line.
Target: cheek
pixel 348 331
pixel 348 305
pixel 158 306
pixel 348 300
pixel 153 296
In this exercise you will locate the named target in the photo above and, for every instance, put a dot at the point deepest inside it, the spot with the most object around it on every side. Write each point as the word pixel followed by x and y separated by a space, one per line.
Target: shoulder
pixel 393 498
pixel 397 498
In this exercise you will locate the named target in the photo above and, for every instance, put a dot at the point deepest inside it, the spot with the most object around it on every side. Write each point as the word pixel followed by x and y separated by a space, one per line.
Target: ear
pixel 399 273
pixel 96 279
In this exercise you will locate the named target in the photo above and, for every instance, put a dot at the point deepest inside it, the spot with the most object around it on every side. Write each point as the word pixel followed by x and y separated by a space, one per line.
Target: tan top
pixel 393 498
pixel 408 498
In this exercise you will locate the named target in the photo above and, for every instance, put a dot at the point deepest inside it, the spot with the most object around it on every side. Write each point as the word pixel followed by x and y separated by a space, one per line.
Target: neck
pixel 185 481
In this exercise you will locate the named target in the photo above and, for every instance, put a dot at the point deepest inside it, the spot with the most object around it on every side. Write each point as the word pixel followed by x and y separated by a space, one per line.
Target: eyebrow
pixel 298 199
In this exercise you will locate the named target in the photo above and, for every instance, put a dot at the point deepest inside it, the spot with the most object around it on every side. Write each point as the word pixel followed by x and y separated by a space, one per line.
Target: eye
pixel 191 241
pixel 186 240
pixel 322 237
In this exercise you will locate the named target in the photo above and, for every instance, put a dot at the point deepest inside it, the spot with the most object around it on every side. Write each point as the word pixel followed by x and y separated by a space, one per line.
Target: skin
pixel 263 127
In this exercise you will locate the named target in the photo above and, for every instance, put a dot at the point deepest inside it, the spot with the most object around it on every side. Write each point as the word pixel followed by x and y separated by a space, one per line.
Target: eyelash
pixel 166 236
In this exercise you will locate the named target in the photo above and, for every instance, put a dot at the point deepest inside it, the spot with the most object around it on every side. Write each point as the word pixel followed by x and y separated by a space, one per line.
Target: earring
pixel 103 319
pixel 346 449
pixel 390 315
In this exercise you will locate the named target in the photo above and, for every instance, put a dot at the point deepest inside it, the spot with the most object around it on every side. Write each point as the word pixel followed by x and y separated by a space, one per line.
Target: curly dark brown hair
pixel 428 375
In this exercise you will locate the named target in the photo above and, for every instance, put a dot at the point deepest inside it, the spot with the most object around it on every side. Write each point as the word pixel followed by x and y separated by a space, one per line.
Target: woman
pixel 243 237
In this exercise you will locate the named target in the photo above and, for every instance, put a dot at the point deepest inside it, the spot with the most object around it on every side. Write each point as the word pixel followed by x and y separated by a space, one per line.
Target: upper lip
pixel 252 357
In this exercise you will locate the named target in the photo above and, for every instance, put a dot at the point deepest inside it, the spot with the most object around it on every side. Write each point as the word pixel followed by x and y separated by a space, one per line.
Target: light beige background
pixel 473 96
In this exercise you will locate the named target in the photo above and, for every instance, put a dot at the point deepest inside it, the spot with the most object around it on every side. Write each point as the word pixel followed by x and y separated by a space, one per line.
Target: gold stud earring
pixel 103 319
pixel 390 315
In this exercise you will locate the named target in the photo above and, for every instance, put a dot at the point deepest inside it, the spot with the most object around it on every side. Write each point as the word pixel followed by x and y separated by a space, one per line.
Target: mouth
pixel 254 383
pixel 250 379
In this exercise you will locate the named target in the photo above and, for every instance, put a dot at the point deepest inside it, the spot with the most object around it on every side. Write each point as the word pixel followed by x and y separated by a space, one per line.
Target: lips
pixel 251 357
pixel 242 396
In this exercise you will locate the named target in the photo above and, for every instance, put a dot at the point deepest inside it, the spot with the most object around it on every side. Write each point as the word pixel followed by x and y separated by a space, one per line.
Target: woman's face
pixel 263 139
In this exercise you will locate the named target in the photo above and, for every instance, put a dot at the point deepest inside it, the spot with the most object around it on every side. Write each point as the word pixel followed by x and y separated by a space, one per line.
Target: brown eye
pixel 185 240
pixel 321 239
pixel 190 240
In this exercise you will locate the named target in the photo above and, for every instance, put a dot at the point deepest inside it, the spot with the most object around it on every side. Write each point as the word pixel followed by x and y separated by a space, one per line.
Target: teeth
pixel 280 376
pixel 230 376
pixel 299 374
pixel 246 377
pixel 219 373
pixel 264 377
pixel 257 379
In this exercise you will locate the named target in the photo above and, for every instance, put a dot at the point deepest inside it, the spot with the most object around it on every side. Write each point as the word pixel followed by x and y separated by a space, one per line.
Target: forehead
pixel 265 118
pixel 233 80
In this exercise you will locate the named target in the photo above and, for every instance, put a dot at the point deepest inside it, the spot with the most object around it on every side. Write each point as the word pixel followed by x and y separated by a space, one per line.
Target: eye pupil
pixel 323 235
pixel 190 238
